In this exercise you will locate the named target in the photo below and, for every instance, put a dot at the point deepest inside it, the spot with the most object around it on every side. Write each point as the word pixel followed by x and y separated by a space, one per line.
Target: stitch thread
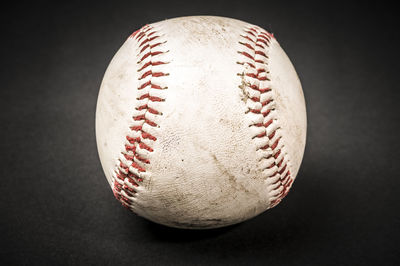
pixel 131 167
pixel 255 82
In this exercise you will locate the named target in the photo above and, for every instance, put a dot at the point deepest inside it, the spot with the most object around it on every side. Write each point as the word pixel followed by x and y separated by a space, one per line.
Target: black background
pixel 57 208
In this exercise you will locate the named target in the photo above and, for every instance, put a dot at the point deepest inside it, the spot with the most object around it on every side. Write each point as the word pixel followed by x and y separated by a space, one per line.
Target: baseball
pixel 200 122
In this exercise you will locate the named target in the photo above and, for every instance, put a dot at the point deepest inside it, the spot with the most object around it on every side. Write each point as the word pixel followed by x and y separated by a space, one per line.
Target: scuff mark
pixel 244 96
pixel 232 179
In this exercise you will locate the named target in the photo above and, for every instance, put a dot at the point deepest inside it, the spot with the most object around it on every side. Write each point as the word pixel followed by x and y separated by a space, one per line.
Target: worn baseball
pixel 200 122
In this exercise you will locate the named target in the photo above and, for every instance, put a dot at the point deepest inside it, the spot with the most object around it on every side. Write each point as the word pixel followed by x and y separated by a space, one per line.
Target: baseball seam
pixel 130 169
pixel 257 93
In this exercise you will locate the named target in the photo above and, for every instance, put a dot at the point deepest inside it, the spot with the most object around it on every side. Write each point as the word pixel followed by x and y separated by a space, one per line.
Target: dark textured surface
pixel 57 207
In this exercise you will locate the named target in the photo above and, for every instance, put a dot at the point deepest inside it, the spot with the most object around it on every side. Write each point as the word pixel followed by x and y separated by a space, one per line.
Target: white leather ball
pixel 200 122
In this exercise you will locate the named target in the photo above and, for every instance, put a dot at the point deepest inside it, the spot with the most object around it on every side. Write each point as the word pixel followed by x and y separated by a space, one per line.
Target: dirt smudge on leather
pixel 232 179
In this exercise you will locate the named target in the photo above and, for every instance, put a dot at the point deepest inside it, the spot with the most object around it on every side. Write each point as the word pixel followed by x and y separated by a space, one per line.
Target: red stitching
pixel 134 33
pixel 262 41
pixel 146 135
pixel 148 40
pixel 261 53
pixel 153 74
pixel 148 83
pixel 151 64
pixel 247 45
pixel 251 33
pixel 150 46
pixel 247 38
pixel 151 98
pixel 273 146
pixel 126 181
pixel 150 54
pixel 256 40
pixel 151 33
pixel 149 109
pixel 261 46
